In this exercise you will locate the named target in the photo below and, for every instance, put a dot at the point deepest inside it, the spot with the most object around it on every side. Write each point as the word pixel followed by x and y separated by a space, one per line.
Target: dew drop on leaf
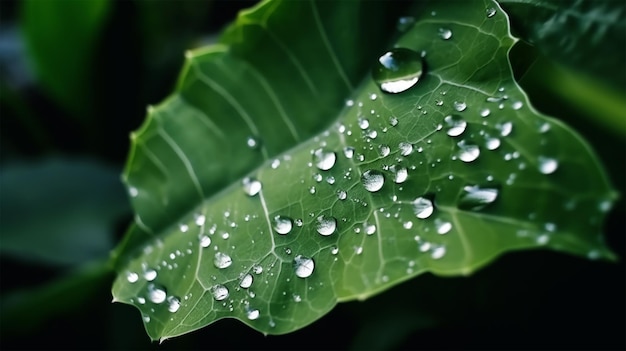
pixel 205 241
pixel 443 227
pixel 468 152
pixel 342 194
pixel 405 148
pixel 253 142
pixel 303 266
pixel 492 143
pixel 505 128
pixel 324 159
pixel 384 150
pixel 445 33
pixel 364 123
pixel 282 224
pixel 547 165
pixel 372 180
pixel 219 292
pixel 400 174
pixel 460 106
pixel 222 260
pixel 456 125
pixel 490 12
pixel 252 314
pixel 398 70
pixel 156 293
pixel 149 274
pixel 438 252
pixel 476 198
pixel 423 207
pixel 251 186
pixel 326 225
pixel 173 303
pixel 132 277
pixel 348 151
pixel 246 281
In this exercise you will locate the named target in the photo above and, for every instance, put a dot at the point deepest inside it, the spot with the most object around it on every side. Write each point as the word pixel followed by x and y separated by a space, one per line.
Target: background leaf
pixel 465 135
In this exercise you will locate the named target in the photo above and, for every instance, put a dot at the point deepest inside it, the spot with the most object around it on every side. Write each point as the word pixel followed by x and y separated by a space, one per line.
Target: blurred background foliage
pixel 75 79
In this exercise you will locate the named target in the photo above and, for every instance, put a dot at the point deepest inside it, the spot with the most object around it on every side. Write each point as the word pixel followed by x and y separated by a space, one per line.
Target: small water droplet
pixel 490 12
pixel 200 219
pixel 370 229
pixel 373 97
pixel 251 186
pixel 317 177
pixel 460 106
pixel 445 33
pixel 363 123
pixel 492 143
pixel 456 125
pixel 468 152
pixel 423 207
pixel 257 269
pixel 222 260
pixel 253 142
pixel 407 225
pixel 405 148
pixel 132 277
pixel 326 225
pixel 173 304
pixel 476 198
pixel 297 298
pixel 145 318
pixel 275 163
pixel 149 274
pixel 547 165
pixel 282 224
pixel 246 281
pixel 252 314
pixel 443 227
pixel 205 241
pixel 404 23
pixel 156 293
pixel 517 105
pixel 485 112
pixel 543 239
pixel 348 151
pixel 303 266
pixel 505 128
pixel 438 252
pixel 342 194
pixel 372 180
pixel 400 174
pixel 334 250
pixel 323 159
pixel 393 121
pixel 133 192
pixel 219 292
pixel 384 150
pixel 398 70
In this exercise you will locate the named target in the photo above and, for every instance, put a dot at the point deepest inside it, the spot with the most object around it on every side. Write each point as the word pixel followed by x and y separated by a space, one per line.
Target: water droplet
pixel 370 229
pixel 133 192
pixel 456 125
pixel 445 33
pixel 405 148
pixel 297 298
pixel 438 252
pixel 145 318
pixel 253 142
pixel 275 163
pixel 246 281
pixel 393 121
pixel 219 292
pixel 317 177
pixel 372 180
pixel 252 314
pixel 404 23
pixel 384 150
pixel 282 224
pixel 334 250
pixel 200 219
pixel 542 239
pixel 423 207
pixel 460 106
pixel 547 165
pixel 400 174
pixel 348 151
pixel 304 266
pixel 324 160
pixel 326 225
pixel 373 97
pixel 485 112
pixel 505 128
pixel 222 260
pixel 517 105
pixel 342 194
pixel 156 293
pixel 492 143
pixel 398 70
pixel 490 12
pixel 407 225
pixel 173 304
pixel 468 152
pixel 132 277
pixel 476 198
pixel 372 134
pixel 358 250
pixel 364 123
pixel 149 274
pixel 205 241
pixel 443 227
pixel 251 186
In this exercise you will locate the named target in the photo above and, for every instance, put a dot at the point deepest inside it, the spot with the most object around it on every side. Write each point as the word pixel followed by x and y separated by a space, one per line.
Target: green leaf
pixel 61 37
pixel 469 169
pixel 586 35
pixel 60 211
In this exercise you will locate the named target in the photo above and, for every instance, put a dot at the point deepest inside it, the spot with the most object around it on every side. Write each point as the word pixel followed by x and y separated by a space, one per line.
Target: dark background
pixel 524 300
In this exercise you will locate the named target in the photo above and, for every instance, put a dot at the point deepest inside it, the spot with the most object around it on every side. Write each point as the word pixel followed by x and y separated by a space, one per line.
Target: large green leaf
pixel 586 35
pixel 469 170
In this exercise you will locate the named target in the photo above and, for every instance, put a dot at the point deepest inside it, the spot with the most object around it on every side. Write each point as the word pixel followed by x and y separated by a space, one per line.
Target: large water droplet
pixel 348 151
pixel 547 165
pixel 445 33
pixel 252 314
pixel 219 292
pixel 423 207
pixel 398 70
pixel 246 281
pixel 400 174
pixel 156 293
pixel 324 159
pixel 384 150
pixel 222 260
pixel 282 224
pixel 468 152
pixel 456 125
pixel 460 106
pixel 476 198
pixel 173 304
pixel 326 225
pixel 405 148
pixel 303 266
pixel 149 274
pixel 251 186
pixel 372 180
pixel 205 241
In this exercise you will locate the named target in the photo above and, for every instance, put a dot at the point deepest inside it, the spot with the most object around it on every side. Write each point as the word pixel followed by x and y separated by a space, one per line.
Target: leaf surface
pixel 442 177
